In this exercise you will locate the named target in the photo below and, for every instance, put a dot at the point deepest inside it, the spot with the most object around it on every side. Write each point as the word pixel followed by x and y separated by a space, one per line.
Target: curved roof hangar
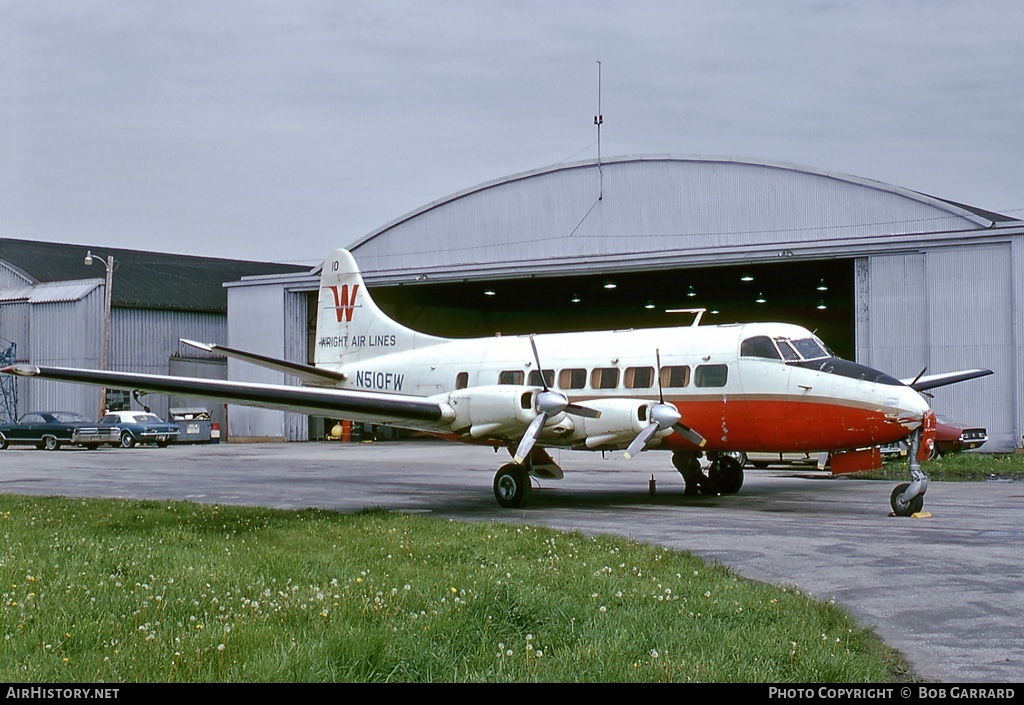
pixel 644 212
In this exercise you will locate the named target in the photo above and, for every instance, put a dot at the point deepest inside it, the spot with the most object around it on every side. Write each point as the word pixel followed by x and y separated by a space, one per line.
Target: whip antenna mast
pixel 598 120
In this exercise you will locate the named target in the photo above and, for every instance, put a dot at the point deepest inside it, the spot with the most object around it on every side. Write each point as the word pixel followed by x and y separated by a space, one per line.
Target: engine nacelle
pixel 500 411
pixel 621 420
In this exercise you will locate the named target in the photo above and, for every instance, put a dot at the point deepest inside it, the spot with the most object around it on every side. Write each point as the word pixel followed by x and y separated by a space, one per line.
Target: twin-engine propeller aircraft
pixel 692 390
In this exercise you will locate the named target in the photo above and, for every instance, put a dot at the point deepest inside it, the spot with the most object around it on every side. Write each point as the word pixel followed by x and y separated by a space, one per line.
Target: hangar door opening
pixel 818 295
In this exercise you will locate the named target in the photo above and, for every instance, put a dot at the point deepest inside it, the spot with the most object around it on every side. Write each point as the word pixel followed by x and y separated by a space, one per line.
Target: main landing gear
pixel 907 499
pixel 723 476
pixel 512 485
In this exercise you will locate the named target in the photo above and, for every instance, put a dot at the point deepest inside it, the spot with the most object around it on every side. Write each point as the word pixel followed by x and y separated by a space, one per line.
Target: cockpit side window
pixel 759 346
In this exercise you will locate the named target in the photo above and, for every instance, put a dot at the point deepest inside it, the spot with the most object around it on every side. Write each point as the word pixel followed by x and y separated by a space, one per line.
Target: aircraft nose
pixel 911 408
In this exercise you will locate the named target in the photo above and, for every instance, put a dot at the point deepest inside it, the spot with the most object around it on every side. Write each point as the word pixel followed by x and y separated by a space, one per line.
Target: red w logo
pixel 343 302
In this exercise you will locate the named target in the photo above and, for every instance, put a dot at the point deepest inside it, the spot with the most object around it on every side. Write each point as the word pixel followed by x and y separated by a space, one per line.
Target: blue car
pixel 141 427
pixel 49 430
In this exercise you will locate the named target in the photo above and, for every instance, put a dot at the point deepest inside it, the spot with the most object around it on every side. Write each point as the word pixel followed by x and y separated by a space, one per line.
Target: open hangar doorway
pixel 817 294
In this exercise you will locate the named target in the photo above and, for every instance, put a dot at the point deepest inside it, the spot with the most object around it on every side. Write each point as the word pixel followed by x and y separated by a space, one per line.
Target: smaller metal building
pixel 52 308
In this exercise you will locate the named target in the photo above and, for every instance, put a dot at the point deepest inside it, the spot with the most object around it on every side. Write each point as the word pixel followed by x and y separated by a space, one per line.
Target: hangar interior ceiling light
pixel 610 285
pixel 692 292
pixel 649 305
pixel 575 299
pixel 490 292
pixel 760 299
pixel 746 278
pixel 822 286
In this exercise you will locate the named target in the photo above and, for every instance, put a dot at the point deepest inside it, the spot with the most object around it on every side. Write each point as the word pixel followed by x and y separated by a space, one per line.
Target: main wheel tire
pixel 51 443
pixel 511 486
pixel 162 444
pixel 3 443
pixel 127 440
pixel 726 475
pixel 910 508
pixel 92 446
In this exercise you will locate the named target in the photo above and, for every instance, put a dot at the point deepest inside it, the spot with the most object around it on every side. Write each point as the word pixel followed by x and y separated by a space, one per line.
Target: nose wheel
pixel 903 507
pixel 907 499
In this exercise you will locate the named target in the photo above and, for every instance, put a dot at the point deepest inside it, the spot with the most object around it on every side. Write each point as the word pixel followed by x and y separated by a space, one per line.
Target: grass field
pixel 106 591
pixel 124 591
pixel 956 467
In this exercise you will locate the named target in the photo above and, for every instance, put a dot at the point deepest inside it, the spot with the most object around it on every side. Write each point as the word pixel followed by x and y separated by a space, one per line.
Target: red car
pixel 953 437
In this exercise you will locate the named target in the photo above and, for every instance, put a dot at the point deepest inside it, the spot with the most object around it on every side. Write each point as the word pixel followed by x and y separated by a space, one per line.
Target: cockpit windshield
pixel 786 349
pixel 810 353
pixel 811 349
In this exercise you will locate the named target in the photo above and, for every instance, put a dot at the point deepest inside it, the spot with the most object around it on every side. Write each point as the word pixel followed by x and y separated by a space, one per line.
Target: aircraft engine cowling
pixel 500 411
pixel 620 421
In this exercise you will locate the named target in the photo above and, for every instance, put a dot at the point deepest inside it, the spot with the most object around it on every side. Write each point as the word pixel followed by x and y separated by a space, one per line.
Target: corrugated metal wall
pixel 296 349
pixel 947 309
pixel 256 323
pixel 654 210
pixel 10 277
pixel 68 334
pixel 143 340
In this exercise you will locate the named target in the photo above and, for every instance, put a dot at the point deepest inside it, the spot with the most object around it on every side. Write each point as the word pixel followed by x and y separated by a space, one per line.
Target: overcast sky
pixel 278 130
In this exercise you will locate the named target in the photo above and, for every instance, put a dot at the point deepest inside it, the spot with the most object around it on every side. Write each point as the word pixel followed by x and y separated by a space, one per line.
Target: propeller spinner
pixel 549 403
pixel 663 416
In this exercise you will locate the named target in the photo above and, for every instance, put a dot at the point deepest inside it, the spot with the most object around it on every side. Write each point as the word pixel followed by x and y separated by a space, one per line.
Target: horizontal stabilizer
pixel 314 376
pixel 925 382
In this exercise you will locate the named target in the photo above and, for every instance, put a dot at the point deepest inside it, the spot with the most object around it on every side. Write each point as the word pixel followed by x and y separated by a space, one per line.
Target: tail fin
pixel 349 325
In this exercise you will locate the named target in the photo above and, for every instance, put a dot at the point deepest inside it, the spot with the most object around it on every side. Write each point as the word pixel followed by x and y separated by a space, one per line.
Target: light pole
pixel 105 358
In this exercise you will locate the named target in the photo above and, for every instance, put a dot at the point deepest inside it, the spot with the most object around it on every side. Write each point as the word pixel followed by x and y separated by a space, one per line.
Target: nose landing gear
pixel 907 499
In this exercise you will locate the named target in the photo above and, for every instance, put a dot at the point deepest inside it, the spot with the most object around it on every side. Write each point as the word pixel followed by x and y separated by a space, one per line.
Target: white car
pixel 141 427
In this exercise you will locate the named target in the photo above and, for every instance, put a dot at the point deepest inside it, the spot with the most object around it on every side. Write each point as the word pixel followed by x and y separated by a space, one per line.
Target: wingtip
pixel 21 370
pixel 207 347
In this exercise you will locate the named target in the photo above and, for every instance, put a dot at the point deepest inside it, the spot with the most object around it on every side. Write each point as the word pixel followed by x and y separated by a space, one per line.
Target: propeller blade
pixel 540 370
pixel 583 411
pixel 641 440
pixel 529 438
pixel 690 435
pixel 657 371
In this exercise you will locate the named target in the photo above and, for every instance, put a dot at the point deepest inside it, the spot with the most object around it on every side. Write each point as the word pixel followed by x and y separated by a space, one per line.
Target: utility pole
pixel 107 297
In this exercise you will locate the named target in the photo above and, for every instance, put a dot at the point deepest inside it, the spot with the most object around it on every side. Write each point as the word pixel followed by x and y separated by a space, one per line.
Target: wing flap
pixel 372 407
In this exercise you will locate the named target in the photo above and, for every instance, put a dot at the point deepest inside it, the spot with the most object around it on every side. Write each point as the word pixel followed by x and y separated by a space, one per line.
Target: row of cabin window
pixel 608 377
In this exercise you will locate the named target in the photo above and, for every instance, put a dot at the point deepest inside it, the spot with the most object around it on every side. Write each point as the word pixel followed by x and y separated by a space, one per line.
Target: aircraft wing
pixel 925 382
pixel 372 407
pixel 310 375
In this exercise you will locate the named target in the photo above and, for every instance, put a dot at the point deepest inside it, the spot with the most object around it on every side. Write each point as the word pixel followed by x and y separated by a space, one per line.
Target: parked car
pixel 141 427
pixel 953 437
pixel 950 437
pixel 50 430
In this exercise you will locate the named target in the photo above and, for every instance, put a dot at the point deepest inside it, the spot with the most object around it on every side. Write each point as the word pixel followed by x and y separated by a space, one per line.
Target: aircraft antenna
pixel 598 121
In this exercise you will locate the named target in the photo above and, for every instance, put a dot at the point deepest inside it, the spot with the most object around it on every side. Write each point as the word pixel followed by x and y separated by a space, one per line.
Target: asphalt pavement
pixel 945 590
